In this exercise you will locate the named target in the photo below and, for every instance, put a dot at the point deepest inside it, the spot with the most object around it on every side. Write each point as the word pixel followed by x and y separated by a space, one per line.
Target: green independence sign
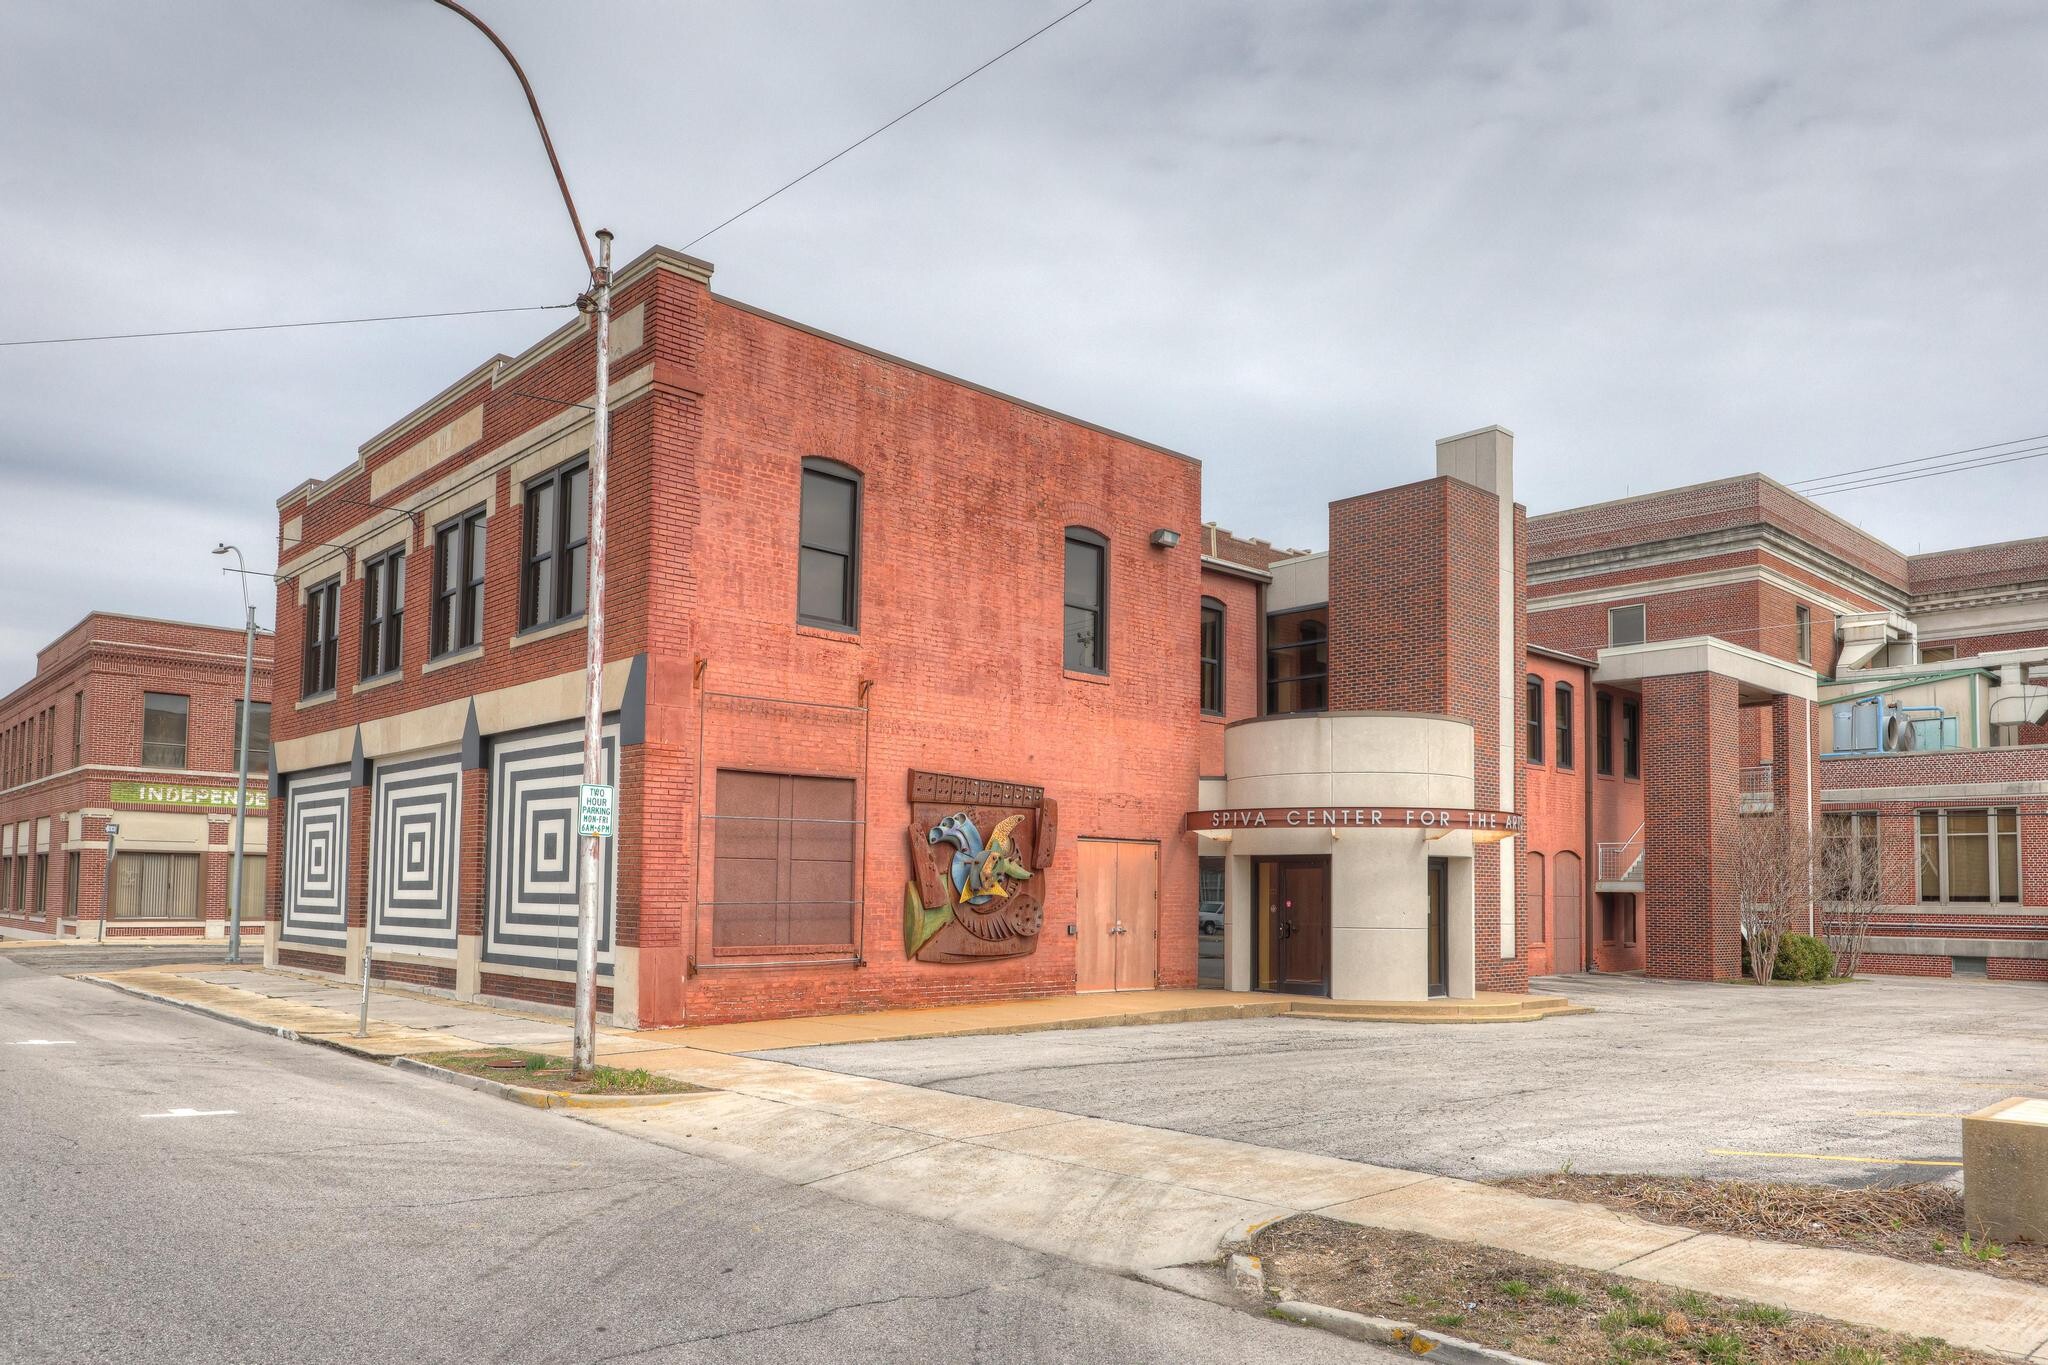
pixel 171 794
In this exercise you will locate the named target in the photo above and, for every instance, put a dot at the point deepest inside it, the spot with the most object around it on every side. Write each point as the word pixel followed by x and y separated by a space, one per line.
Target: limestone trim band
pixel 1485 826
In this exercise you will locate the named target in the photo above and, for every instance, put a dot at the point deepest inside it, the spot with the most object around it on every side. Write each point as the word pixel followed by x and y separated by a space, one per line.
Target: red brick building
pixel 133 722
pixel 1750 652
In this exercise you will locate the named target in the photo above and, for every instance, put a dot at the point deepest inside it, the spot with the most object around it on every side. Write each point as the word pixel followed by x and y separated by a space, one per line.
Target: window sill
pixel 1214 718
pixel 381 680
pixel 1074 675
pixel 533 634
pixel 467 654
pixel 317 699
pixel 843 635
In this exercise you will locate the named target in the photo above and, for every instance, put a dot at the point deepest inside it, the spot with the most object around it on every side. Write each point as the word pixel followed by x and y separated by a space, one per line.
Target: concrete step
pixel 1496 1010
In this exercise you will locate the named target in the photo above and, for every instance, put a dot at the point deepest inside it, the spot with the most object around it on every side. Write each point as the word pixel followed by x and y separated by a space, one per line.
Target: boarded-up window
pixel 784 863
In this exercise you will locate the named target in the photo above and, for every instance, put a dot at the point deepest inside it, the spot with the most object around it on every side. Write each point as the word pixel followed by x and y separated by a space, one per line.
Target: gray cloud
pixel 1297 240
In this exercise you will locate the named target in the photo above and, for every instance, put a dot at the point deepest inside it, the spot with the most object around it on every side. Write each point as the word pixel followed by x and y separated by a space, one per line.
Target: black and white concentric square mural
pixel 416 852
pixel 316 859
pixel 531 849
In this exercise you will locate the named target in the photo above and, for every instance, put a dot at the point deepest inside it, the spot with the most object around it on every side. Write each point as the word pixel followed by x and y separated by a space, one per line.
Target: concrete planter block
pixel 2005 1171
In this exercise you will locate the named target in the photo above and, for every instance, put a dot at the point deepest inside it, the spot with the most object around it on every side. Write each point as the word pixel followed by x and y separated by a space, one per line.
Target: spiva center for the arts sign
pixel 189 798
pixel 1433 820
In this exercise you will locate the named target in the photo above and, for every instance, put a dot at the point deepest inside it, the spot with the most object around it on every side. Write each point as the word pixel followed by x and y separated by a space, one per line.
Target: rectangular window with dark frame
pixel 1212 657
pixel 458 584
pixel 164 717
pixel 1086 648
pixel 1566 700
pixel 1603 734
pixel 828 546
pixel 259 736
pixel 783 863
pixel 321 637
pixel 42 883
pixel 1802 627
pixel 555 560
pixel 1532 724
pixel 71 886
pixel 77 728
pixel 1970 856
pixel 1631 740
pixel 1298 661
pixel 383 615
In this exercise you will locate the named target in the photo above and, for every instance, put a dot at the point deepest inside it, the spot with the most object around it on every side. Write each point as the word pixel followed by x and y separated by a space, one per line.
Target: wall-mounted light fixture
pixel 1165 539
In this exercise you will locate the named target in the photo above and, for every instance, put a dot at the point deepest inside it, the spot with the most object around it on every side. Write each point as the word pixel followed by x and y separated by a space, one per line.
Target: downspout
pixel 1588 864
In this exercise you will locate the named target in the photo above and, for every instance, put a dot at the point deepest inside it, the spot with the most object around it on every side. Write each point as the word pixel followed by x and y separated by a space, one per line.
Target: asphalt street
pixel 174 1188
pixel 1783 1082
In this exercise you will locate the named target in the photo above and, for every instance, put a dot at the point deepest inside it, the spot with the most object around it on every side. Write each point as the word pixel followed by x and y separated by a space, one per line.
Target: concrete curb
pixel 274 1030
pixel 533 1098
pixel 1385 1331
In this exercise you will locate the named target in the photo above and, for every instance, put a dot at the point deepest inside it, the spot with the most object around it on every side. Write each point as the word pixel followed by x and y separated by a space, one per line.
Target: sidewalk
pixel 1112 1194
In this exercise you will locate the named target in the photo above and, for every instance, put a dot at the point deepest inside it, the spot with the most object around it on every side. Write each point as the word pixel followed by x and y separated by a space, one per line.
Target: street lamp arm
pixel 546 142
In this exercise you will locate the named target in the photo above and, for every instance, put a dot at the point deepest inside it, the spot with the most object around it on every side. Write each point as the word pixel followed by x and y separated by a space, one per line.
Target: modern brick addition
pixel 1691 760
pixel 72 759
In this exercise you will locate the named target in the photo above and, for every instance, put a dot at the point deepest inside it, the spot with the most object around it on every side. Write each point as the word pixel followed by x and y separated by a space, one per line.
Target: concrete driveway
pixel 1847 1085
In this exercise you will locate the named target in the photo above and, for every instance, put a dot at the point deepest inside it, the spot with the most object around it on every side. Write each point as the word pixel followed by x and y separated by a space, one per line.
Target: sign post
pixel 107 897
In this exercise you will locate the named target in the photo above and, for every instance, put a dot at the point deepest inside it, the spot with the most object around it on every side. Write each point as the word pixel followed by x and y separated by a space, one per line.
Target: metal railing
pixel 1757 794
pixel 1622 861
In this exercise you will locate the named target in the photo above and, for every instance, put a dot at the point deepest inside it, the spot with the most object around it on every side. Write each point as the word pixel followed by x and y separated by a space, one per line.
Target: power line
pixel 1923 459
pixel 1985 462
pixel 281 326
pixel 851 146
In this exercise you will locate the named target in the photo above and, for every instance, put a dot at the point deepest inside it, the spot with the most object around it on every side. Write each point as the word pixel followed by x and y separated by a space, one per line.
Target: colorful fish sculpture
pixel 980 869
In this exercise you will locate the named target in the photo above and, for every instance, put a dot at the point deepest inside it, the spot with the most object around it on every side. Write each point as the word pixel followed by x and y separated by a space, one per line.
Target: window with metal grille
pixel 164 717
pixel 383 615
pixel 828 546
pixel 322 637
pixel 458 583
pixel 783 868
pixel 1086 648
pixel 556 560
pixel 1212 657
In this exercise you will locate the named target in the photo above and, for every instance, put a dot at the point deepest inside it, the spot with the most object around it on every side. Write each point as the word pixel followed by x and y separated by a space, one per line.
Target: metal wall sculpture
pixel 976 848
pixel 316 859
pixel 530 881
pixel 415 853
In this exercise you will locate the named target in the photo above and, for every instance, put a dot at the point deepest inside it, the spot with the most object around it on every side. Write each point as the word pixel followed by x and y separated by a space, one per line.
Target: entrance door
pixel 1439 937
pixel 1567 916
pixel 1292 896
pixel 1117 916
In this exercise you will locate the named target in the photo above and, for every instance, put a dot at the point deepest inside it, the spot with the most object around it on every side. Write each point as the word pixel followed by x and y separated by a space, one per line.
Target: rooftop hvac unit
pixel 1898 734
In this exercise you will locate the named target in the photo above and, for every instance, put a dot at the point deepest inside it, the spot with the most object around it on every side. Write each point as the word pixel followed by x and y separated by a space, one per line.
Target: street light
pixel 241 759
pixel 597 300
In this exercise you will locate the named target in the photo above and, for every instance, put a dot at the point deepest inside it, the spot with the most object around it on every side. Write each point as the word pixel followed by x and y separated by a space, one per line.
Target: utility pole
pixel 597 300
pixel 242 758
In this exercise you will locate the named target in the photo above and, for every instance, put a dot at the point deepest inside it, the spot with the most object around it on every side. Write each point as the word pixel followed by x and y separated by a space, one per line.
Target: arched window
pixel 1212 657
pixel 1534 723
pixel 1086 627
pixel 828 547
pixel 1539 928
pixel 1565 753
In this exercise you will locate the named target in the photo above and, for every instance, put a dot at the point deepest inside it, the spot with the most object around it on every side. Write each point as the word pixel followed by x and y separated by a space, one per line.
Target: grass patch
pixel 1906 1222
pixel 1560 1314
pixel 514 1066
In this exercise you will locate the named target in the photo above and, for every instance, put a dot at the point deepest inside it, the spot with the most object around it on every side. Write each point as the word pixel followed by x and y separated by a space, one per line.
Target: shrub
pixel 1801 957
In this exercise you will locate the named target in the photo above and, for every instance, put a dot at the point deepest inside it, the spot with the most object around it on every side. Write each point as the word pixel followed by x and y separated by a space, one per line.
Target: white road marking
pixel 190 1114
pixel 44 1042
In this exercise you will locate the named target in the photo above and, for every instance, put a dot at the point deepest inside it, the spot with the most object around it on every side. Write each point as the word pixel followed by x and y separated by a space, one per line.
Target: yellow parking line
pixel 1816 1156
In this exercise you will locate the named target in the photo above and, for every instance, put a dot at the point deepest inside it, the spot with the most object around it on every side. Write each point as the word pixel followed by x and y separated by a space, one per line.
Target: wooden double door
pixel 1117 919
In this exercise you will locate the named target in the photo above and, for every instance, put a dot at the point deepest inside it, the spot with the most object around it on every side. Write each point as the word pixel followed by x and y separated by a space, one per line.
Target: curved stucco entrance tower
pixel 1346 767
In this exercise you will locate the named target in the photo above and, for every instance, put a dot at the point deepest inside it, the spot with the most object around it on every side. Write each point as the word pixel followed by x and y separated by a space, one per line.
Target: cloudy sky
pixel 1661 242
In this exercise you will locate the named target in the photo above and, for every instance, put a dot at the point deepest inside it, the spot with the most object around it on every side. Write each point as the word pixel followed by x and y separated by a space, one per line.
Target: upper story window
pixel 316 662
pixel 1565 755
pixel 1802 630
pixel 1532 687
pixel 1631 740
pixel 1625 625
pixel 828 547
pixel 1086 629
pixel 383 614
pixel 1937 654
pixel 1603 734
pixel 1212 657
pixel 164 715
pixel 1970 856
pixel 78 727
pixel 259 736
pixel 458 583
pixel 1298 661
pixel 555 563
